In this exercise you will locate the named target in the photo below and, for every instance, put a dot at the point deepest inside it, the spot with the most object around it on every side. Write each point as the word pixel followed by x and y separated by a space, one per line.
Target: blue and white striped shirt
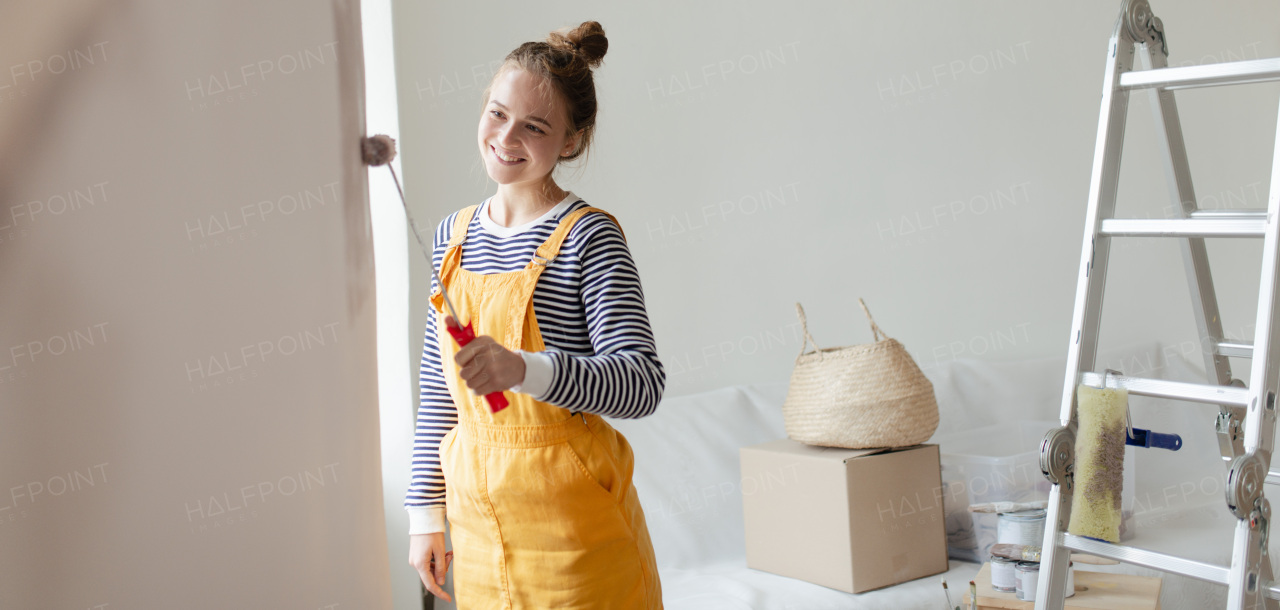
pixel 591 313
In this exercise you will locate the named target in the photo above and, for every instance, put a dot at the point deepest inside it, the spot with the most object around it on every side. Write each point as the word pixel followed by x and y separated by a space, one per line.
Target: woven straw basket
pixel 859 397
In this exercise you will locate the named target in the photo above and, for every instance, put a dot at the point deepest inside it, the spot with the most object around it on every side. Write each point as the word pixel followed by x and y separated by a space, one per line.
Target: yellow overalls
pixel 541 508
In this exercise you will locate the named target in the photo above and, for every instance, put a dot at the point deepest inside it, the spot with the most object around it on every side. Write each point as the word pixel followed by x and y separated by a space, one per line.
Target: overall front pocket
pixel 560 498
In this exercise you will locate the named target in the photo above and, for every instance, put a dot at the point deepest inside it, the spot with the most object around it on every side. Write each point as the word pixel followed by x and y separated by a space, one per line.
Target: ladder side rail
pixel 1250 572
pixel 1251 566
pixel 1264 375
pixel 1087 310
pixel 1177 169
pixel 1204 299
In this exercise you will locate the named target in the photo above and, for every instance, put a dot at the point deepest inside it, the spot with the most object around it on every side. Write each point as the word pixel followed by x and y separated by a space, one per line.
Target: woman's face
pixel 523 130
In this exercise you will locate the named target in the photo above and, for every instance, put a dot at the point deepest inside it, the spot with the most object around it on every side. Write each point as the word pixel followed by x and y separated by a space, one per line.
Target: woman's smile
pixel 504 158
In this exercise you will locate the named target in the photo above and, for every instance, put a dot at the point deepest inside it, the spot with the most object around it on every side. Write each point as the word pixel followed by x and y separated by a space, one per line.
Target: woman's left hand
pixel 486 366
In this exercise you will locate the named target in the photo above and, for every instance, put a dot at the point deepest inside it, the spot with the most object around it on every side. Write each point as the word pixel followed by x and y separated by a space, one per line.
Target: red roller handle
pixel 463 336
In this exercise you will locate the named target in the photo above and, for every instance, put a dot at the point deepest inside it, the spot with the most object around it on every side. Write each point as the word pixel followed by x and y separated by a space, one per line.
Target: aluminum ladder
pixel 1247 416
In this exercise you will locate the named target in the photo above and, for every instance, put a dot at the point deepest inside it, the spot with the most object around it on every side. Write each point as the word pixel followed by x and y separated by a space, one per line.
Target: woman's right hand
pixel 428 557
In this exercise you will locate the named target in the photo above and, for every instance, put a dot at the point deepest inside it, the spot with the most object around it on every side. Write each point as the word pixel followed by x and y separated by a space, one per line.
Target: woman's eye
pixel 497 114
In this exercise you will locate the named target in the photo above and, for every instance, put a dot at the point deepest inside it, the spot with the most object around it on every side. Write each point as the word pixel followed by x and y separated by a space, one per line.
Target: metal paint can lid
pixel 1034 514
pixel 1025 527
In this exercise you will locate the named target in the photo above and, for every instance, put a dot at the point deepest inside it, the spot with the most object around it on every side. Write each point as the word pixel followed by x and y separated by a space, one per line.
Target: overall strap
pixel 453 254
pixel 460 224
pixel 547 252
pixel 549 249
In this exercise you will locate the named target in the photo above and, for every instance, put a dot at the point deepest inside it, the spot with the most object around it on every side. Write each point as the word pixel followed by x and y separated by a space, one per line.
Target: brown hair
pixel 565 61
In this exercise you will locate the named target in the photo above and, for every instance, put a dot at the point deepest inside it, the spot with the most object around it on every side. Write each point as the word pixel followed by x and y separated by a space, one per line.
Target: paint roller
pixel 380 150
pixel 1099 470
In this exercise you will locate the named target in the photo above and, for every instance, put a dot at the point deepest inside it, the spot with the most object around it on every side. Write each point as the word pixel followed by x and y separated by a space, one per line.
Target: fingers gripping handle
pixel 463 336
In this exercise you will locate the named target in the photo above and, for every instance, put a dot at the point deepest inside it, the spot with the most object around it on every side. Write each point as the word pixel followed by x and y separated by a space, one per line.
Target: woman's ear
pixel 571 144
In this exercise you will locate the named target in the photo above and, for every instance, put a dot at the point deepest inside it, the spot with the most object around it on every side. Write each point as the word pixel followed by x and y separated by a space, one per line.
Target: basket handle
pixel 804 324
pixel 875 328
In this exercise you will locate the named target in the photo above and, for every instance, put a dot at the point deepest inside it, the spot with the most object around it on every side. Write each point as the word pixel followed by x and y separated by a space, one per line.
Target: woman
pixel 538 496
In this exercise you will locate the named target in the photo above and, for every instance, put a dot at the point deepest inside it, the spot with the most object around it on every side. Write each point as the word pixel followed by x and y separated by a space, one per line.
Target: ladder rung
pixel 1259 214
pixel 1235 349
pixel 1209 75
pixel 1157 561
pixel 1177 390
pixel 1273 478
pixel 1184 227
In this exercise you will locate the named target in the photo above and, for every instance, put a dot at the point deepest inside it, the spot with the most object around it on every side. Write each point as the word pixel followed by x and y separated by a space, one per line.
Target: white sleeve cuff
pixel 538 371
pixel 426 519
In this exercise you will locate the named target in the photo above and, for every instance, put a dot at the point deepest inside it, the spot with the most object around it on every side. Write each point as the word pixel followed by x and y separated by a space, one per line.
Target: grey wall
pixel 931 157
pixel 188 398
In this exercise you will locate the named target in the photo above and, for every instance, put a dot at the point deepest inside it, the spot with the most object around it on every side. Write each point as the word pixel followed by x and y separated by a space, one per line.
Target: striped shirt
pixel 591 313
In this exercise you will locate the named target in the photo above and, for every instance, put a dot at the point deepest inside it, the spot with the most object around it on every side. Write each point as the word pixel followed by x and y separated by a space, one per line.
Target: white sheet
pixel 735 587
pixel 688 477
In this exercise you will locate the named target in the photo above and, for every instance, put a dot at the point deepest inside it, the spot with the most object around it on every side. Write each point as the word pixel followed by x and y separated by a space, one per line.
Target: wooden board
pixel 1094 590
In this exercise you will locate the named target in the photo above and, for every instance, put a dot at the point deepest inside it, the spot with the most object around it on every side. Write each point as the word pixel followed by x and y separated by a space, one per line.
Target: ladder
pixel 1247 416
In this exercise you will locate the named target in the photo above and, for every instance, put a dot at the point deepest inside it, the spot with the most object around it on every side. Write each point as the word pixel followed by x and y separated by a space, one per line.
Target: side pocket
pixel 446 442
pixel 597 467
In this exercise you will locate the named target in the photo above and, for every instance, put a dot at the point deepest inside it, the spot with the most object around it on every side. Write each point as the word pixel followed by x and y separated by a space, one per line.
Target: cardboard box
pixel 852 520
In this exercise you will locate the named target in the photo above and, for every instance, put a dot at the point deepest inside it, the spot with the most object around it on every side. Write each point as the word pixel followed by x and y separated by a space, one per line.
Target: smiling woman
pixel 538 497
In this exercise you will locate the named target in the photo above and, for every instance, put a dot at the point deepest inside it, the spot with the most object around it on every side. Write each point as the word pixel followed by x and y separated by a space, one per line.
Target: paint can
pixel 1028 579
pixel 1003 576
pixel 1025 527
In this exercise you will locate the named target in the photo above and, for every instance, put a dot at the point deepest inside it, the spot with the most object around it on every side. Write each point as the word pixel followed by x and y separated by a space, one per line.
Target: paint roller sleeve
pixel 1099 470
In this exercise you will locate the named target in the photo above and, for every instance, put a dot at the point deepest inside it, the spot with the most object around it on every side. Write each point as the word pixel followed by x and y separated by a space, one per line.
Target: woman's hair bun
pixel 587 40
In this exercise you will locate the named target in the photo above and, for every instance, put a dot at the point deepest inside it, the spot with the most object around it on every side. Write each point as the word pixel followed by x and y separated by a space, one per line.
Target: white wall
pixel 188 374
pixel 931 157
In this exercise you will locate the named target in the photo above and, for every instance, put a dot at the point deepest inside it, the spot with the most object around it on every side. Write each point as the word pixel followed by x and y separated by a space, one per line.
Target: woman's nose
pixel 507 133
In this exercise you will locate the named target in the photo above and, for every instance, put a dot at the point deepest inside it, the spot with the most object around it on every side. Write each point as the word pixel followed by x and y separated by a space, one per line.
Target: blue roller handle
pixel 1149 439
